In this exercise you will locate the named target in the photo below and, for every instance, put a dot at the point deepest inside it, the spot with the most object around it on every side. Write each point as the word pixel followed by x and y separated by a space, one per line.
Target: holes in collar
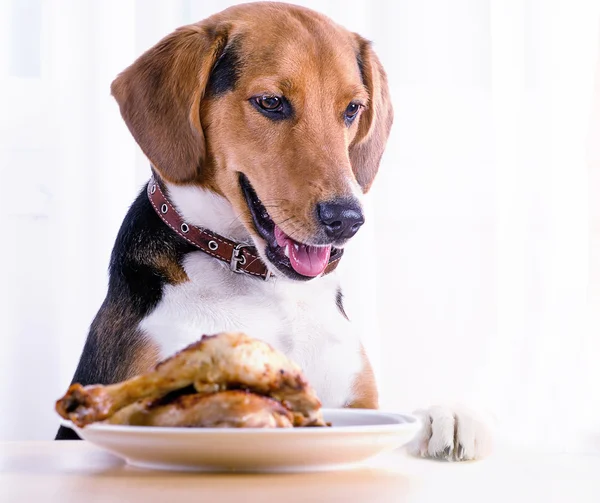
pixel 164 208
pixel 185 228
pixel 153 188
pixel 213 245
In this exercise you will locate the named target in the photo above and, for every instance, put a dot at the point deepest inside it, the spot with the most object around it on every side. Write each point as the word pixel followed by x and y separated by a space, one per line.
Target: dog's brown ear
pixel 159 97
pixel 375 122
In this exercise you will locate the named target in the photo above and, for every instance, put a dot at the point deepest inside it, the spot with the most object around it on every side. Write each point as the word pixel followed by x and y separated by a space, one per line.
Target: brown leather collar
pixel 242 258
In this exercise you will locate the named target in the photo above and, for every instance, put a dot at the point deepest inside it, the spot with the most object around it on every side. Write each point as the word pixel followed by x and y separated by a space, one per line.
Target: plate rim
pixel 405 421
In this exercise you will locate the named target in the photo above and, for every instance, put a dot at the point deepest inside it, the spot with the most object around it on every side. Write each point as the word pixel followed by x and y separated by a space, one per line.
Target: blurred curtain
pixel 483 235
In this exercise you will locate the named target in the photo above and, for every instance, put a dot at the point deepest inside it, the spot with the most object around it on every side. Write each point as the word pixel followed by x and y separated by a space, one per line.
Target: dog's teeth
pixel 286 250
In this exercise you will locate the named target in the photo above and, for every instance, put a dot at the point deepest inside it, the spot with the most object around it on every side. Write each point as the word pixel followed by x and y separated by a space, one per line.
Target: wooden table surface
pixel 79 472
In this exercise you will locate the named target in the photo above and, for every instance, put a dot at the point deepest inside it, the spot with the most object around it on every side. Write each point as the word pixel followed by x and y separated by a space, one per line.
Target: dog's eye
pixel 276 108
pixel 351 112
pixel 269 103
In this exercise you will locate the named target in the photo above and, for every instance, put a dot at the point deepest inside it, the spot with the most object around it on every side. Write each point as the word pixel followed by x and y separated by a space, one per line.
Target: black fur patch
pixel 339 301
pixel 155 76
pixel 134 277
pixel 361 67
pixel 225 73
pixel 134 289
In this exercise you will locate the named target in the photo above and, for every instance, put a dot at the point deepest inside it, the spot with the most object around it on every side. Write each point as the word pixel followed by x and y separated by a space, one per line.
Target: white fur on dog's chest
pixel 299 319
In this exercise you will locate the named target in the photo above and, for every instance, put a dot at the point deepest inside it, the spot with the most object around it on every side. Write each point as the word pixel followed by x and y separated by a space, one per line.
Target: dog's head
pixel 274 107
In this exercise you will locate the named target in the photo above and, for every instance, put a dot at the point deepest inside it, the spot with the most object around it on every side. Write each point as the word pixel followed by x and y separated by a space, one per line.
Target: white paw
pixel 451 434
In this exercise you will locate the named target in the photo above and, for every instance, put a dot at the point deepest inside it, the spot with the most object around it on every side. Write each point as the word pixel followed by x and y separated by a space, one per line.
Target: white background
pixel 483 240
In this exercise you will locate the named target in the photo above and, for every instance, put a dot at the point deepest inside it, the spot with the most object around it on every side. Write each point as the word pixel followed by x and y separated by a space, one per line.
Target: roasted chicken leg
pixel 226 409
pixel 215 363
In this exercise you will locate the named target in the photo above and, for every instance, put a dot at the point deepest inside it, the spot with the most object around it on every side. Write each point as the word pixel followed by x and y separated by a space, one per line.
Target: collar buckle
pixel 237 258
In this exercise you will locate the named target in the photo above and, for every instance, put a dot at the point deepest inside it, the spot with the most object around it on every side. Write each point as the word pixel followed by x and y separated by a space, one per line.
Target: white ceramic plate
pixel 355 436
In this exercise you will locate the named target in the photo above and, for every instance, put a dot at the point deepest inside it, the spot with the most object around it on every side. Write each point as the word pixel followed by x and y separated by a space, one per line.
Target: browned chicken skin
pixel 215 363
pixel 225 409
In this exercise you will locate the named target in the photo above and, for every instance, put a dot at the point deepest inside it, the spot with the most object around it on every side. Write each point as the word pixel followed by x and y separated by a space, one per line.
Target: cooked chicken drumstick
pixel 226 409
pixel 219 362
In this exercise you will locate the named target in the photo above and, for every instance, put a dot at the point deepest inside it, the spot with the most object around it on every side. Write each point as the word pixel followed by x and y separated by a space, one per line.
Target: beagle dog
pixel 264 126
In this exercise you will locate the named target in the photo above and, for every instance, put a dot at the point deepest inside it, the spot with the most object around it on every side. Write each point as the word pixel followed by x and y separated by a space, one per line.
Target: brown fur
pixel 193 137
pixel 159 96
pixel 364 387
pixel 146 358
pixel 170 269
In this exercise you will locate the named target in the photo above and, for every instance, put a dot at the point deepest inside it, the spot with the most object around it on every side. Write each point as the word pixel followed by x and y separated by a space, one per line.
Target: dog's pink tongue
pixel 306 260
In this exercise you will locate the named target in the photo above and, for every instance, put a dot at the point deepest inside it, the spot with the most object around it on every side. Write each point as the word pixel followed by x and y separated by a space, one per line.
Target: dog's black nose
pixel 340 218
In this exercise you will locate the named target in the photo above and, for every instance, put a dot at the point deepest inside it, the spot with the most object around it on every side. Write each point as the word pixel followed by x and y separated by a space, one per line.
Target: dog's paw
pixel 451 434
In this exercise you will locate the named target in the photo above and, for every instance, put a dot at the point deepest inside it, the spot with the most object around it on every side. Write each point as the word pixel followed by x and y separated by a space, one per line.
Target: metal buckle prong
pixel 237 258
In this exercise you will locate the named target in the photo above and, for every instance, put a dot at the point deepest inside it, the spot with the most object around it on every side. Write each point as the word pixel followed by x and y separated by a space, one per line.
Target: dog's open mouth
pixel 304 259
pixel 296 260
